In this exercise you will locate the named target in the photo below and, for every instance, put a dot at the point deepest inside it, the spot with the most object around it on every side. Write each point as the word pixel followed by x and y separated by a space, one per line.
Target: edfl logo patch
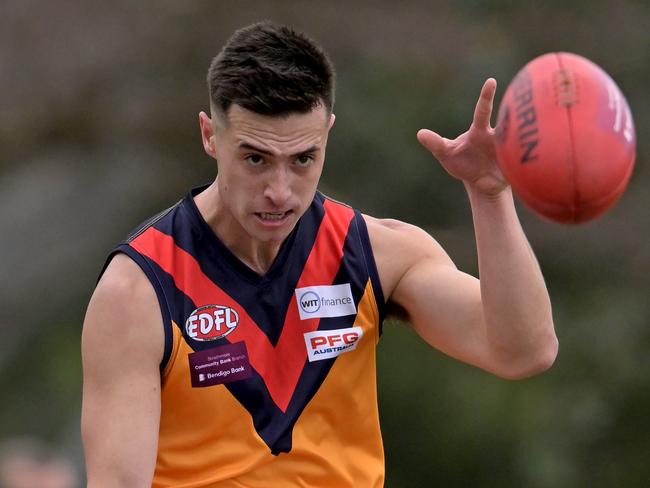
pixel 211 322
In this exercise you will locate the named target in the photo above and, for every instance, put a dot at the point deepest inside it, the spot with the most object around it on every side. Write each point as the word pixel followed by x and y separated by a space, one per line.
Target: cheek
pixel 305 188
pixel 310 183
pixel 239 189
pixel 314 178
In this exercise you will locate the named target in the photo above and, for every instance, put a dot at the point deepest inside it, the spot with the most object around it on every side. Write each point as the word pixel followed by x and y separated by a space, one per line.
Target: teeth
pixel 272 216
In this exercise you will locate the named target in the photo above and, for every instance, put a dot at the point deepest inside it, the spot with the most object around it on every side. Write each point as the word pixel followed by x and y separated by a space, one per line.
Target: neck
pixel 257 255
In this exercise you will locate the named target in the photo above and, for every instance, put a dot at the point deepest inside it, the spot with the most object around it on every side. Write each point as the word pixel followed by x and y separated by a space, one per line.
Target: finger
pixel 433 142
pixel 483 110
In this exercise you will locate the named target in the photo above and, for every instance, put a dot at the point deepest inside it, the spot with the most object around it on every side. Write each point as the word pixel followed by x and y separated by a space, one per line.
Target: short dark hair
pixel 271 70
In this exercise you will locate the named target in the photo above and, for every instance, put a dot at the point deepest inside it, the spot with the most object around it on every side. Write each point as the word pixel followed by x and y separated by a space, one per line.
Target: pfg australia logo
pixel 325 301
pixel 211 322
pixel 325 344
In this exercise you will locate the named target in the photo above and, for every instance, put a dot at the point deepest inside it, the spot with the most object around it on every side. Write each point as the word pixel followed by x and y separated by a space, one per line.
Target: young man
pixel 231 339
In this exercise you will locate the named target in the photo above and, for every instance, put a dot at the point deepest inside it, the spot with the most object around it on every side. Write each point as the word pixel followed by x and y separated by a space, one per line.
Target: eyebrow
pixel 252 147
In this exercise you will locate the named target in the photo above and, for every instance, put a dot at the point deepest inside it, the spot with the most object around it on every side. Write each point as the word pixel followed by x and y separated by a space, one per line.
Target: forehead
pixel 244 125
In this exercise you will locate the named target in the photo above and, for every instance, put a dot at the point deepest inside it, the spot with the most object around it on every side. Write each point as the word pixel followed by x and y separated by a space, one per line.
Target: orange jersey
pixel 267 381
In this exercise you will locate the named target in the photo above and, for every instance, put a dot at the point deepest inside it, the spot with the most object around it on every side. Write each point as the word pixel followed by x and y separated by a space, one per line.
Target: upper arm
pixel 122 346
pixel 442 303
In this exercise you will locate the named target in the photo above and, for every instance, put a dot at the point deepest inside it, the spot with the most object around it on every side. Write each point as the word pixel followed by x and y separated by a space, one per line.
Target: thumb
pixel 436 144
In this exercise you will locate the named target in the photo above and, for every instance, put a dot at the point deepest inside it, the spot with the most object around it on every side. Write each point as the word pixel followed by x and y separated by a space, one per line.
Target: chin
pixel 278 234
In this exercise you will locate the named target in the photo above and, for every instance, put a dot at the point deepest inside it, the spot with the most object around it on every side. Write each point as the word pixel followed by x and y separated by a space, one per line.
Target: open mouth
pixel 271 217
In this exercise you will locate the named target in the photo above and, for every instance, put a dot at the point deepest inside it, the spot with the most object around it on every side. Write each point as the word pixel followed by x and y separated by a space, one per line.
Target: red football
pixel 565 138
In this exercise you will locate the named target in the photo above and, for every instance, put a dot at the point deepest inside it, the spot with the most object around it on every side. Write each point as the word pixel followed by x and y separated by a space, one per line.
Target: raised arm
pixel 122 346
pixel 502 323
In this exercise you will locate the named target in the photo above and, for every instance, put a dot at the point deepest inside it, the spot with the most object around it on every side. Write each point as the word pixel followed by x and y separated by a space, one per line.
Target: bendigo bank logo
pixel 211 322
pixel 325 344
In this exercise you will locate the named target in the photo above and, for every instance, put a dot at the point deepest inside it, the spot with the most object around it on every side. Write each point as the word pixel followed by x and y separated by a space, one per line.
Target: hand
pixel 471 157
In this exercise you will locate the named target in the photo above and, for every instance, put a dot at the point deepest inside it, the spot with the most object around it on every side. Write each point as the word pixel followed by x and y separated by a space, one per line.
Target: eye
pixel 304 160
pixel 254 159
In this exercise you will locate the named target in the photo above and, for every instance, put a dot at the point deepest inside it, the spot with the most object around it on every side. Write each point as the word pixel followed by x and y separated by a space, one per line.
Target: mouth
pixel 273 218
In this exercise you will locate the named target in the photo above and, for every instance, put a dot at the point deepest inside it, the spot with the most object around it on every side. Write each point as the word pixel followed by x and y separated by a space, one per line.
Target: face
pixel 268 168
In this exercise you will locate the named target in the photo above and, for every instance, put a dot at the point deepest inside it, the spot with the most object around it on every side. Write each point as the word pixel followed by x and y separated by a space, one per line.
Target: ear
pixel 207 134
pixel 331 122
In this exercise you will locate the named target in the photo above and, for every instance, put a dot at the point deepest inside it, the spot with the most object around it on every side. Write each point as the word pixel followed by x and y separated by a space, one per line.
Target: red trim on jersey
pixel 280 377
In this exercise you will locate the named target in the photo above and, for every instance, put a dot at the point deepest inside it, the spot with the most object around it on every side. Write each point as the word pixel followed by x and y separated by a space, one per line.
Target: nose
pixel 278 187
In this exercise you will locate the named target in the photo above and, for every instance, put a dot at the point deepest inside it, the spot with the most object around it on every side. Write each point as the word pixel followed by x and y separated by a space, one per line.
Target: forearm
pixel 515 302
pixel 120 433
pixel 112 462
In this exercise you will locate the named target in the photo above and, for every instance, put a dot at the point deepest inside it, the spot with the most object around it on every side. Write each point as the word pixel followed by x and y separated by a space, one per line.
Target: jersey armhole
pixel 141 261
pixel 371 266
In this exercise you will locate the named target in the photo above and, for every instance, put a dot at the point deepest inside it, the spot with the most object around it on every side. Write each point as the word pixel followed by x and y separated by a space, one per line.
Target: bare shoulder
pixel 398 247
pixel 123 312
pixel 396 229
pixel 123 275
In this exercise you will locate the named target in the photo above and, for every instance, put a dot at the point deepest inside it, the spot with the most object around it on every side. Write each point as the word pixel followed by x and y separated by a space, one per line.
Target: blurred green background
pixel 98 130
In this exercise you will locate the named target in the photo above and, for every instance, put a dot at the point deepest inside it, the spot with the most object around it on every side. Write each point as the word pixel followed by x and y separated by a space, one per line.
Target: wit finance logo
pixel 325 301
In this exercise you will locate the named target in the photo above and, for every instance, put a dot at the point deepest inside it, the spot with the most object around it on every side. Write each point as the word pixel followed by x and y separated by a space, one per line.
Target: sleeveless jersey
pixel 267 381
